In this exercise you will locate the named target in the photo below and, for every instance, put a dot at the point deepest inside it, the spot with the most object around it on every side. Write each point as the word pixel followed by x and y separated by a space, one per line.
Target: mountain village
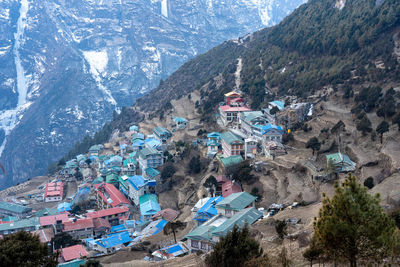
pixel 108 198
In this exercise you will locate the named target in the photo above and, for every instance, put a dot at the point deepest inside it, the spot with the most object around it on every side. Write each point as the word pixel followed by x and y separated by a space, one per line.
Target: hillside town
pixel 108 198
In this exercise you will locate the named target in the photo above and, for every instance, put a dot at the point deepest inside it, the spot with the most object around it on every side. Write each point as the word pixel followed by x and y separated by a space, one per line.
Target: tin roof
pixel 236 201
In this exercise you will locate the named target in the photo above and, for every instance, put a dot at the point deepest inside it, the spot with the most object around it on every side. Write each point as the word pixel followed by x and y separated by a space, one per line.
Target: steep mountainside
pixel 346 45
pixel 65 66
pixel 321 44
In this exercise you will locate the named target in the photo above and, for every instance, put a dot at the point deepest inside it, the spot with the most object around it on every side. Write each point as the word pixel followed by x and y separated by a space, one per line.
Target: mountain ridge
pixel 114 50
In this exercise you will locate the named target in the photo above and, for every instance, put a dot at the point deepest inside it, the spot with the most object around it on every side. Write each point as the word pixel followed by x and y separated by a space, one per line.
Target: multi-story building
pixel 251 122
pixel 11 209
pixel 232 144
pixel 53 192
pixel 139 186
pixel 149 157
pixel 79 228
pixel 234 203
pixel 113 215
pixel 108 196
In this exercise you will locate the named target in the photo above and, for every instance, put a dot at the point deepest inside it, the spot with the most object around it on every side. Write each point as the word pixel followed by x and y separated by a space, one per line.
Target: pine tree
pixel 364 125
pixel 352 225
pixel 382 128
pixel 25 249
pixel 172 228
pixel 237 248
pixel 314 144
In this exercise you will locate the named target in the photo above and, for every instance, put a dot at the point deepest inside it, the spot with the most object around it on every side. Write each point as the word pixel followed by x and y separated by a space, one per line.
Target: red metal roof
pixel 73 252
pixel 166 214
pixel 52 219
pixel 228 108
pixel 78 224
pixel 237 100
pixel 229 188
pixel 100 222
pixel 108 192
pixel 222 179
pixel 45 234
pixel 107 212
pixel 54 189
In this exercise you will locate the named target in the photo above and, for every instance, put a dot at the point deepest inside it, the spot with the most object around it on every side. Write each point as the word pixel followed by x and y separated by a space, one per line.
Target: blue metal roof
pixel 154 143
pixel 174 248
pixel 115 240
pixel 149 208
pixel 152 172
pixel 65 206
pixel 118 228
pixel 160 226
pixel 268 127
pixel 179 120
pixel 214 135
pixel 208 209
pixel 137 181
pixel 279 104
pixel 138 143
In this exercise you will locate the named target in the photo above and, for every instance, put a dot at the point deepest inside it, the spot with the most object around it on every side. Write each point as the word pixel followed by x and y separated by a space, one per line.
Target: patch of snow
pixel 164 8
pixel 4 50
pixel 9 118
pixel 340 4
pixel 97 60
pixel 5 14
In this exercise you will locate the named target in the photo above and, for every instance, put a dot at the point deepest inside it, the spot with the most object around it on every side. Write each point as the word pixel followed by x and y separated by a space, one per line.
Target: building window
pixel 228 212
pixel 203 246
pixel 195 244
pixel 210 247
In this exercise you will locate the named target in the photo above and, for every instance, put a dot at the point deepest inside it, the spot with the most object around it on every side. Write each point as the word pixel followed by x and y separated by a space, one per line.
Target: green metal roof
pixel 31 222
pixel 112 178
pixel 148 151
pixel 10 219
pixel 152 172
pixel 203 232
pixel 15 208
pixel 98 180
pixel 232 160
pixel 46 212
pixel 230 138
pixel 123 180
pixel 148 197
pixel 129 160
pixel 249 216
pixel 74 263
pixel 251 115
pixel 236 201
pixel 344 162
pixel 161 131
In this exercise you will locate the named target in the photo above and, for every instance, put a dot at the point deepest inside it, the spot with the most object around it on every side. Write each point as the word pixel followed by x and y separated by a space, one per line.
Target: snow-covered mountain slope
pixel 65 66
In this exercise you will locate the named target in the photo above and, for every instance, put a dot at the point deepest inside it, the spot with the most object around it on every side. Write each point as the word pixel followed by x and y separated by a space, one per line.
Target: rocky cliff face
pixel 65 66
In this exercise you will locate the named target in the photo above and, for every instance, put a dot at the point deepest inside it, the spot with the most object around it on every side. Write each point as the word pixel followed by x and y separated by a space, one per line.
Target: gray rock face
pixel 66 65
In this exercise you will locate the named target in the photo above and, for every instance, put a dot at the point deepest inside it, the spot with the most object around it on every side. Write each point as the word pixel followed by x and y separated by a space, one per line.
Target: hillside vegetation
pixel 316 46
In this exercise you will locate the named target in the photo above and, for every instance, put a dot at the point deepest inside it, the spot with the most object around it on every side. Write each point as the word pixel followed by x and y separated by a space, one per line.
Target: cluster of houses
pixel 248 132
pixel 125 189
pixel 216 216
